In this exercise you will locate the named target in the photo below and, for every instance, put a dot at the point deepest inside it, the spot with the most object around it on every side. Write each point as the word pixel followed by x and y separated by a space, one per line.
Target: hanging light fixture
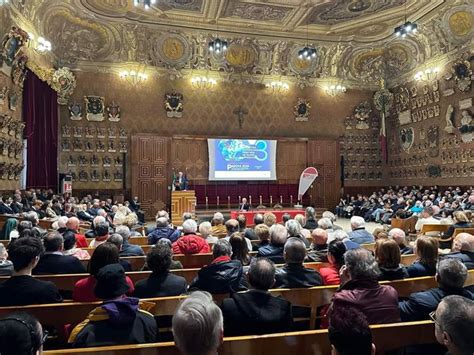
pixel 217 45
pixel 307 52
pixel 203 83
pixel 335 89
pixel 145 3
pixel 429 74
pixel 133 77
pixel 406 28
pixel 278 87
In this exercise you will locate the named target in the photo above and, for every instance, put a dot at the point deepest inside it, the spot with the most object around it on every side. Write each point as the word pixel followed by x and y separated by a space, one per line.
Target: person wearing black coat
pixel 161 282
pixel 53 261
pixel 223 275
pixel 294 274
pixel 257 311
pixel 274 250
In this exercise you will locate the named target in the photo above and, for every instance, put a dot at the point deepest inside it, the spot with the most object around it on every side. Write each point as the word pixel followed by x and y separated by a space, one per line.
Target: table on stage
pixel 278 213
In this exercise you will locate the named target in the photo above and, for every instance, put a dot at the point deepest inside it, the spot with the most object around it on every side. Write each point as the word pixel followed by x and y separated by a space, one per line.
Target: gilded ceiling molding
pixel 45 74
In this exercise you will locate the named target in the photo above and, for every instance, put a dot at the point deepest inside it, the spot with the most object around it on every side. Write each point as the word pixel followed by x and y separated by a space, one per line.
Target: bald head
pixel 294 251
pixel 73 223
pixel 464 242
pixel 320 236
pixel 397 235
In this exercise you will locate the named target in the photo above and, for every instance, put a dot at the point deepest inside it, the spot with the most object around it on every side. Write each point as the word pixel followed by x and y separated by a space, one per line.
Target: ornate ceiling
pixel 353 39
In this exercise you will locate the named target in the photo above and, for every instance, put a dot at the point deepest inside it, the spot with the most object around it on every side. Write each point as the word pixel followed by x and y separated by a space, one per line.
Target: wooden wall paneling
pixel 191 153
pixel 150 172
pixel 291 161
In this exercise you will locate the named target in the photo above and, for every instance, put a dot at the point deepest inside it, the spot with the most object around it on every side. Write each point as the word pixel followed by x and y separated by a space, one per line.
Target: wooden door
pixel 150 172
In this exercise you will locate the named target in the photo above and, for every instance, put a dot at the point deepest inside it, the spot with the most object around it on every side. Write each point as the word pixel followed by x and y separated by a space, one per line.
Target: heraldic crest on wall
pixel 174 104
pixel 302 109
pixel 95 108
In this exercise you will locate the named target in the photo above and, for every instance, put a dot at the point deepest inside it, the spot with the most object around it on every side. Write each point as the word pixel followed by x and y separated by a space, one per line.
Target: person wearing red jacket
pixel 73 224
pixel 190 243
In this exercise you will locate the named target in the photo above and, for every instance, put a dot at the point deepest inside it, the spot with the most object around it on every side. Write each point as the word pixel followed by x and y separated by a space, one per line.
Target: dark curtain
pixel 40 113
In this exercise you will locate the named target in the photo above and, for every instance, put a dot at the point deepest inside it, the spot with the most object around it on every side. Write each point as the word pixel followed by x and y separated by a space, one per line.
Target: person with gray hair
pixel 187 215
pixel 463 249
pixel 343 237
pixel 101 231
pixel 399 236
pixel 257 311
pixel 450 275
pixel 454 324
pixel 274 250
pixel 198 325
pixel 127 248
pixel 360 288
pixel 310 216
pixel 205 229
pixel 332 217
pixel 218 228
pixel 359 235
pixel 222 275
pixel 190 242
pixel 294 230
pixel 294 274
pixel 163 230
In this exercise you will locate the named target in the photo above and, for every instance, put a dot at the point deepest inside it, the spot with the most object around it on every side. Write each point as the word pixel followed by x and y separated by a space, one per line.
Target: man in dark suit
pixel 294 274
pixel 5 207
pixel 244 205
pixel 257 311
pixel 53 261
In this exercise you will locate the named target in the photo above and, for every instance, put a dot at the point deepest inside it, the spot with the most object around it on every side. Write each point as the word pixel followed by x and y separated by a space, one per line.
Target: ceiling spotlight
pixel 406 29
pixel 145 3
pixel 307 53
pixel 218 46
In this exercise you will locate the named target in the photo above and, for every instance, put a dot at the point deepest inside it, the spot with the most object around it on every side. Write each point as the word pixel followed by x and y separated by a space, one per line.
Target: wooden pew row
pixel 463 230
pixel 431 228
pixel 314 342
pixel 74 312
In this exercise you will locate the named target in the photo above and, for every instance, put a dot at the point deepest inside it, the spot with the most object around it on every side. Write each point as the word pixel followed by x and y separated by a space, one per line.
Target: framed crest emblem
pixel 75 111
pixel 113 112
pixel 174 104
pixel 95 108
pixel 302 109
pixel 407 137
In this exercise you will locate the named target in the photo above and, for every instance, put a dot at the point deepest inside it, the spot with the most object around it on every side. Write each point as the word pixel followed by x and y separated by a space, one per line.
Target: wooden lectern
pixel 182 201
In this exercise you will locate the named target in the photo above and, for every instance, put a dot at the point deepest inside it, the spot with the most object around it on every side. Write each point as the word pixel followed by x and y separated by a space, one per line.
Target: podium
pixel 182 201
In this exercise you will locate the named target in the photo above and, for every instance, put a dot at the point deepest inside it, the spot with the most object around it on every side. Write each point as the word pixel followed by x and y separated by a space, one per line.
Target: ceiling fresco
pixel 353 39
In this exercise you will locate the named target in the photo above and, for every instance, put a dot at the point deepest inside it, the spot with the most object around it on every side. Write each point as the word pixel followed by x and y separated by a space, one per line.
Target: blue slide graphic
pixel 242 155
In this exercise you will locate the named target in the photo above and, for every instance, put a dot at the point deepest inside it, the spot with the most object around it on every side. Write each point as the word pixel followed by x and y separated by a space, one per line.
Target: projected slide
pixel 242 159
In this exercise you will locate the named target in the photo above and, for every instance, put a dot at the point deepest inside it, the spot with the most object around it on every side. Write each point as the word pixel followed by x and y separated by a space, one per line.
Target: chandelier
pixel 203 83
pixel 307 53
pixel 335 90
pixel 278 87
pixel 430 74
pixel 145 3
pixel 406 28
pixel 133 77
pixel 40 45
pixel 218 45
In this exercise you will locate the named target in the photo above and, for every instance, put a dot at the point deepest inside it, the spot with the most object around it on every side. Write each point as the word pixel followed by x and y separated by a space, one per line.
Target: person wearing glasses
pixel 21 334
pixel 454 324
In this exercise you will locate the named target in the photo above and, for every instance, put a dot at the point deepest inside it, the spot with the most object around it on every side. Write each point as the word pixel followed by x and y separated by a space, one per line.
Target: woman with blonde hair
pixel 460 221
pixel 387 254
pixel 426 250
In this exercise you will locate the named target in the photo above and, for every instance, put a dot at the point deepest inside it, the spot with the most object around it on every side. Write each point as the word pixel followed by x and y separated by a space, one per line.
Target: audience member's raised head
pixel 21 334
pixel 32 217
pixel 261 274
pixel 101 228
pixel 53 242
pixel 162 214
pixel 349 332
pixel 357 222
pixel 451 274
pixel 427 212
pixel 293 228
pixel 454 324
pixel 359 264
pixel 398 235
pixel 239 247
pixel 189 226
pixel 377 231
pixel 300 219
pixel 198 326
pixel 99 219
pixel 310 213
pixel 324 223
pixel 336 251
pixel 105 254
pixel 73 223
pixel 124 231
pixel 320 236
pixel 218 219
pixel 338 235
pixel 258 219
pixel 460 217
pixel 24 225
pixel 285 218
pixel 69 240
pixel 117 240
pixel 262 232
pixel 25 252
pixel 232 226
pixel 330 215
pixel 463 242
pixel 62 222
pixel 242 220
pixel 387 253
pixel 278 235
pixel 294 251
pixel 205 229
pixel 221 248
pixel 187 215
pixel 162 222
pixel 111 282
pixel 269 219
pixel 159 258
pixel 426 249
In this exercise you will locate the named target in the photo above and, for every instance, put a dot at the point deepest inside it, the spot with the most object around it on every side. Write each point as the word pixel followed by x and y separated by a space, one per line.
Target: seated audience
pixel 343 237
pixel 21 334
pixel 460 221
pixel 53 261
pixel 161 282
pixel 6 266
pixel 222 275
pixel 23 289
pixel 101 231
pixel 73 224
pixel 190 243
pixel 336 251
pixel 332 217
pixel 294 231
pixel 310 216
pixel 269 219
pixel 387 254
pixel 218 228
pixel 70 246
pixel 426 250
pixel 119 320
pixel 450 275
pixel 326 224
pixel 274 250
pixel 257 311
pixel 198 325
pixel 463 249
pixel 205 229
pixel 9 230
pixel 163 230
pixel 232 226
pixel 294 274
pixel 240 249
pixel 262 231
pixel 360 288
pixel 300 219
pixel 380 233
pixel 319 247
pixel 454 324
pixel 250 232
pixel 127 248
pixel 349 332
pixel 117 240
pixel 426 217
pixel 104 254
pixel 399 237
pixel 359 235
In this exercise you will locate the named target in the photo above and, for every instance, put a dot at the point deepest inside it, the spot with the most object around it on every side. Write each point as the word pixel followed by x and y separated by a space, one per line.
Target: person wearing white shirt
pixel 426 218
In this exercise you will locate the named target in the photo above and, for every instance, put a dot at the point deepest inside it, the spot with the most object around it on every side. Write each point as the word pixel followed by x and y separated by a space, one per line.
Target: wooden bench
pixel 407 225
pixel 433 229
pixel 132 240
pixel 314 342
pixel 463 230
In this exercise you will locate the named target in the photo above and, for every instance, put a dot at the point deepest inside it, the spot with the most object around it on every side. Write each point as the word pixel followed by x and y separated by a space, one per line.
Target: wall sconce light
pixel 335 90
pixel 203 83
pixel 278 87
pixel 3 2
pixel 429 74
pixel 145 3
pixel 39 44
pixel 133 77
